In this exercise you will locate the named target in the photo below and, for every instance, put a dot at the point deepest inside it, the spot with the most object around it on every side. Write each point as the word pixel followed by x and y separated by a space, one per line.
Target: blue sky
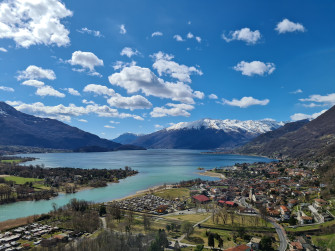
pixel 110 67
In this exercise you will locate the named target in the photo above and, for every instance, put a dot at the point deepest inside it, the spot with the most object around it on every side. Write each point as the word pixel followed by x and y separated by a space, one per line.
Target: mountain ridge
pixel 21 129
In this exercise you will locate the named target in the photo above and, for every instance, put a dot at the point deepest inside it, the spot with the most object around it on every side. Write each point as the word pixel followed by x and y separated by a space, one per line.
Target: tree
pixel 199 248
pixel 176 246
pixel 292 221
pixel 187 228
pixel 102 210
pixel 266 243
pixel 211 240
pixel 147 222
pixel 220 243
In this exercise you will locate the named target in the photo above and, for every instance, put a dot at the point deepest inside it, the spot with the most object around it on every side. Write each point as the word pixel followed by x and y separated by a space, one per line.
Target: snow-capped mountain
pixel 206 134
pixel 228 125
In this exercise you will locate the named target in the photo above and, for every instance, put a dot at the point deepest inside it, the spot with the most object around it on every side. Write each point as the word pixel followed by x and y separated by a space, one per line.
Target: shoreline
pixel 210 173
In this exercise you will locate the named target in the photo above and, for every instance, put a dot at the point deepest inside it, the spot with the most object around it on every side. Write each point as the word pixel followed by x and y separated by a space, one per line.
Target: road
pixel 279 229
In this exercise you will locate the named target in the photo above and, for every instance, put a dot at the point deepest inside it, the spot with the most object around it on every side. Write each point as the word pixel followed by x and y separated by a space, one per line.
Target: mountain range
pixel 202 134
pixel 302 139
pixel 21 129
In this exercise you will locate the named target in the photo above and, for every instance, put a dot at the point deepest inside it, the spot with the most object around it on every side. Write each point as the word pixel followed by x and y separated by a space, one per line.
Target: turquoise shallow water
pixel 155 166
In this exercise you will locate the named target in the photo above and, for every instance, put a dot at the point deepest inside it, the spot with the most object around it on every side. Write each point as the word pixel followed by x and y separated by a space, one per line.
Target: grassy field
pixel 194 218
pixel 325 241
pixel 12 161
pixel 21 180
pixel 173 193
pixel 313 227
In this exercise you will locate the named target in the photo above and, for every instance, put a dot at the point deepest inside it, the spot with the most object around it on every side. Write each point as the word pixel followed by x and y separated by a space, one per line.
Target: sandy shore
pixel 212 174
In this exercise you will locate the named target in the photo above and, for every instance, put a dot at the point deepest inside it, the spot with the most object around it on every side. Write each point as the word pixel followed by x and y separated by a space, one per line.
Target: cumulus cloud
pixel 296 91
pixel 35 72
pixel 87 60
pixel 178 38
pixel 129 52
pixel 33 83
pixel 157 34
pixel 123 29
pixel 244 34
pixel 157 126
pixel 198 39
pixel 135 79
pixel 34 22
pixel 255 68
pixel 99 90
pixel 82 120
pixel 328 99
pixel 172 110
pixel 49 91
pixel 3 49
pixel 120 65
pixel 65 113
pixel 245 102
pixel 213 96
pixel 109 126
pixel 6 89
pixel 164 65
pixel 189 35
pixel 90 32
pixel 131 103
pixel 42 89
pixel 72 91
pixel 288 26
pixel 301 116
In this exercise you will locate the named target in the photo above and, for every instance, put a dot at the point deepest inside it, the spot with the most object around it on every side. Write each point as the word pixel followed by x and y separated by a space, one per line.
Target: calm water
pixel 156 167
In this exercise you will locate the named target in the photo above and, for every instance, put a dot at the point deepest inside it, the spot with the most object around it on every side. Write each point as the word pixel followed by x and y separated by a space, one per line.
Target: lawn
pixel 194 218
pixel 306 228
pixel 21 180
pixel 325 241
pixel 173 193
pixel 11 161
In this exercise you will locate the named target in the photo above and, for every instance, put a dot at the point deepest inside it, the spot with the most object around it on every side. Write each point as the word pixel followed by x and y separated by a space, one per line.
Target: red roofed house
pixel 227 203
pixel 200 199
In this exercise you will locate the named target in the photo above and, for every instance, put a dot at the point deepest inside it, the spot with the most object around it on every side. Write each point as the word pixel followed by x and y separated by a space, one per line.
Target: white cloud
pixel 3 49
pixel 114 122
pixel 82 120
pixel 164 65
pixel 132 103
pixel 88 102
pixel 123 29
pixel 172 110
pixel 213 96
pixel 33 83
pixel 49 91
pixel 157 34
pixel 42 89
pixel 6 89
pixel 198 39
pixel 296 91
pixel 72 91
pixel 120 65
pixel 99 90
pixel 90 32
pixel 288 26
pixel 35 72
pixel 245 102
pixel 178 38
pixel 189 35
pixel 65 113
pixel 328 99
pixel 244 34
pixel 135 79
pixel 158 126
pixel 129 52
pixel 87 60
pixel 109 126
pixel 301 116
pixel 34 22
pixel 255 68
